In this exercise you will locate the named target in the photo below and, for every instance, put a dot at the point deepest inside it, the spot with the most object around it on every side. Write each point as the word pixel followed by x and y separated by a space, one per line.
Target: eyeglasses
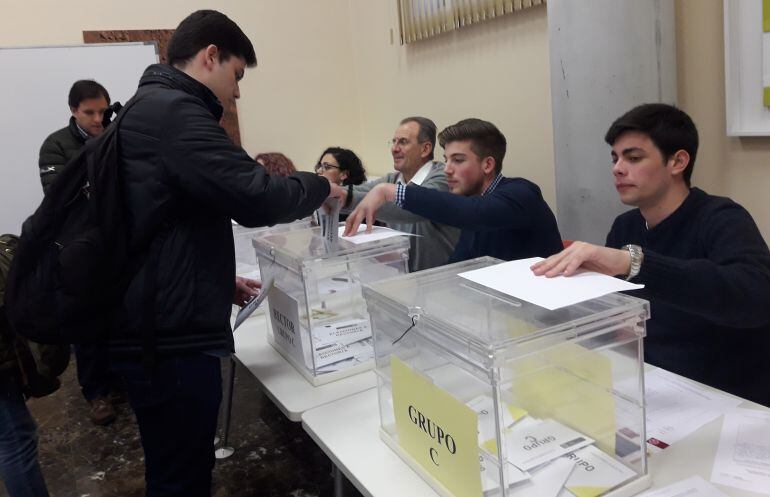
pixel 400 142
pixel 323 167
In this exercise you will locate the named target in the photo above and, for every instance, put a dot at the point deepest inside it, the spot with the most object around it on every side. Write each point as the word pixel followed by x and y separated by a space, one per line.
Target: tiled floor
pixel 273 457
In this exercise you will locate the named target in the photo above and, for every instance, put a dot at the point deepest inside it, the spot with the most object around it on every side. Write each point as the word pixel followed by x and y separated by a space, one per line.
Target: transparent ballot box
pixel 483 394
pixel 246 263
pixel 318 319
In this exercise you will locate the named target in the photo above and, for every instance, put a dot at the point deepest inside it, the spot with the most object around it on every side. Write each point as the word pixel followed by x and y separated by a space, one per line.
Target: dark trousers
pixel 19 468
pixel 94 375
pixel 176 405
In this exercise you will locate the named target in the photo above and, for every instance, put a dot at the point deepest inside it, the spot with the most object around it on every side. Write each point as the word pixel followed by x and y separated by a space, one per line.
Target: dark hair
pixel 349 163
pixel 209 27
pixel 86 89
pixel 669 128
pixel 276 164
pixel 486 140
pixel 426 133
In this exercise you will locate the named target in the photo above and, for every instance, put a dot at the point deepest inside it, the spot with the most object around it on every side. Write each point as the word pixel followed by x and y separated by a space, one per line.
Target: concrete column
pixel 606 57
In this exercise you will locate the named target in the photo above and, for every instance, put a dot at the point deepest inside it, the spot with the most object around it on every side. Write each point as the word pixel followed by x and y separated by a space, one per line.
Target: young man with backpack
pixel 89 102
pixel 183 181
pixel 135 238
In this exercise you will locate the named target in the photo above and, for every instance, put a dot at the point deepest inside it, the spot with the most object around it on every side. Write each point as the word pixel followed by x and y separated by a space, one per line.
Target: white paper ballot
pixel 342 332
pixel 695 486
pixel 483 406
pixel 515 278
pixel 743 457
pixel 253 304
pixel 546 481
pixel 324 356
pixel 329 219
pixel 676 407
pixel 595 473
pixel 490 478
pixel 363 356
pixel 378 233
pixel 530 446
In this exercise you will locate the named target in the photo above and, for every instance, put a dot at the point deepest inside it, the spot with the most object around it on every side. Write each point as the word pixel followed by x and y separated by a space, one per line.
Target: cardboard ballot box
pixel 484 394
pixel 246 263
pixel 318 318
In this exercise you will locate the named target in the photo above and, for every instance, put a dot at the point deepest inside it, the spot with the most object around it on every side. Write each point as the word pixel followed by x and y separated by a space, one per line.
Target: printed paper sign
pixel 595 473
pixel 284 316
pixel 529 447
pixel 437 430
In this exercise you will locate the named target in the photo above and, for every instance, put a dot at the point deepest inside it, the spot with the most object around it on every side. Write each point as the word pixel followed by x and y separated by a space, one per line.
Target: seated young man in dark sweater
pixel 704 264
pixel 500 217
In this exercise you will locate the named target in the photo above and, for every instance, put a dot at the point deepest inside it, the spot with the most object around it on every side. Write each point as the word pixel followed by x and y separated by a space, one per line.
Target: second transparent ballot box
pixel 484 394
pixel 246 263
pixel 318 319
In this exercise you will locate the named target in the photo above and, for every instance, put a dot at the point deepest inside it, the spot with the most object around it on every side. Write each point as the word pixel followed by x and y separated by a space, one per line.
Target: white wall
pixel 497 71
pixel 298 99
pixel 328 74
pixel 735 167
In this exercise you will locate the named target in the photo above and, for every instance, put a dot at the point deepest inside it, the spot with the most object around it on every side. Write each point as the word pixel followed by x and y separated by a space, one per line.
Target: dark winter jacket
pixel 57 150
pixel 184 180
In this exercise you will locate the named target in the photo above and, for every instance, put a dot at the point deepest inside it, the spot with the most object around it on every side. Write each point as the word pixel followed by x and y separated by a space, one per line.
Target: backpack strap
pixel 151 256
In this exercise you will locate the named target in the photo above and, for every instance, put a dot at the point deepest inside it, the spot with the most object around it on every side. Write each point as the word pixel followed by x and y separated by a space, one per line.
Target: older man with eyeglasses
pixel 412 148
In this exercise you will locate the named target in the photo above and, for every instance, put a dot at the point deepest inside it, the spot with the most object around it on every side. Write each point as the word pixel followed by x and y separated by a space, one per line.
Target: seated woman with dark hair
pixel 276 164
pixel 341 166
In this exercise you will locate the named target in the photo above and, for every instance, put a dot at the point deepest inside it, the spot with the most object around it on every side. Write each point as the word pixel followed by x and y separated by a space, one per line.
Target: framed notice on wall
pixel 747 67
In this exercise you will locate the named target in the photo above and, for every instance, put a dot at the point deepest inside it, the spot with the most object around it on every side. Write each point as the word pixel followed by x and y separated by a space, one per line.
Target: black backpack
pixel 36 366
pixel 74 260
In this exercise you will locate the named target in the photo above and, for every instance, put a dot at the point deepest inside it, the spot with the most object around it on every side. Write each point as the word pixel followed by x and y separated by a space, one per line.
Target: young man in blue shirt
pixel 499 217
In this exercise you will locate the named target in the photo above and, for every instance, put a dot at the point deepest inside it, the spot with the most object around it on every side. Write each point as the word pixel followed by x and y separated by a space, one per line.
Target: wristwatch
pixel 637 256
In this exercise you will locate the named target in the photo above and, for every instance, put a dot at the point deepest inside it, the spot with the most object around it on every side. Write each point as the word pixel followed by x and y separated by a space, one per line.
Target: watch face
pixel 635 251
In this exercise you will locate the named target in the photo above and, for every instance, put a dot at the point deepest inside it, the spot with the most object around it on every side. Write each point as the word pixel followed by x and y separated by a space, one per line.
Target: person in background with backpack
pixel 89 103
pixel 183 180
pixel 26 370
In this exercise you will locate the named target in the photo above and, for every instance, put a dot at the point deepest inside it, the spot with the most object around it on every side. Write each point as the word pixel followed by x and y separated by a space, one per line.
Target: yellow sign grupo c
pixel 437 430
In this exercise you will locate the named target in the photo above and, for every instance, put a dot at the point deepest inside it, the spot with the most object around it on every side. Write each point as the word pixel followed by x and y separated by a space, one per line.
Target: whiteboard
pixel 35 85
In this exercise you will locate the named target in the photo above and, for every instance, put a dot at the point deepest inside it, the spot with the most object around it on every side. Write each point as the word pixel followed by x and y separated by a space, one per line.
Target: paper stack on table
pixel 743 457
pixel 676 406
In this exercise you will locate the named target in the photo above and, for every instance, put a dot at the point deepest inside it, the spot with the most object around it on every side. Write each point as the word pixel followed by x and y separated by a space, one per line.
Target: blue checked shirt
pixel 401 190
